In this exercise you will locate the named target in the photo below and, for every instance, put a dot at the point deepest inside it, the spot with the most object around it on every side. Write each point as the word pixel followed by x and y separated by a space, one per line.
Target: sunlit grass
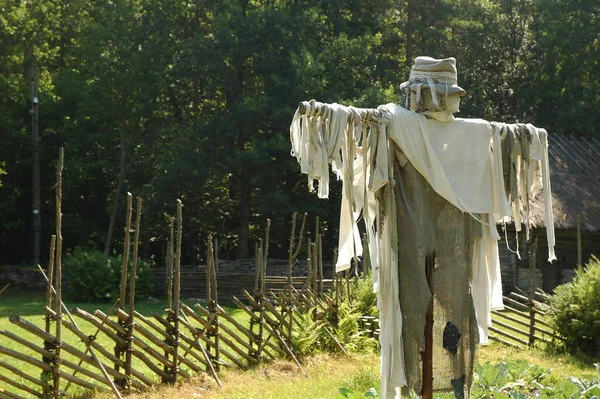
pixel 30 307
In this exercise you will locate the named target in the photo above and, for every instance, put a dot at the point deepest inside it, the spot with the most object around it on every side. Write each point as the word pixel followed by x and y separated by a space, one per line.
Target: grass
pixel 281 379
pixel 324 374
pixel 30 306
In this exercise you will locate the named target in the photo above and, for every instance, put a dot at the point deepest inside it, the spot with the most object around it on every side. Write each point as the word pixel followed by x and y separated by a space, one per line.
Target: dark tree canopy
pixel 193 100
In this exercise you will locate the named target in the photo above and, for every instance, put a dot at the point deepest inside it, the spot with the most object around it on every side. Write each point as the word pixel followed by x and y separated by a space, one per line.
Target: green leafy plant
pixel 307 335
pixel 575 311
pixel 348 331
pixel 92 276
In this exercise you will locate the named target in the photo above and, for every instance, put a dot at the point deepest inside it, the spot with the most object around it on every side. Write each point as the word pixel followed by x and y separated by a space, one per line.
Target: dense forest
pixel 193 100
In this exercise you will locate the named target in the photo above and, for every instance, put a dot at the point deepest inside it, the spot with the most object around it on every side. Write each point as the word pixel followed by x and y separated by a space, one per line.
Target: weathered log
pixel 9 395
pixel 80 382
pixel 101 325
pixel 27 344
pixel 21 374
pixel 19 386
pixel 500 332
pixel 191 344
pixel 232 334
pixel 204 323
pixel 32 328
pixel 160 343
pixel 87 341
pixel 27 359
pixel 244 308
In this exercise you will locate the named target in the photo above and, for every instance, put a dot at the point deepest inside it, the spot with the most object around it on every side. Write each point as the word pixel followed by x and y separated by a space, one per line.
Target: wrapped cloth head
pixel 432 86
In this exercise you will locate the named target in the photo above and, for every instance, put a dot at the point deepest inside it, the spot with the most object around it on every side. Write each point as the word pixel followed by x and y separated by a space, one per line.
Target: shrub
pixel 312 335
pixel 575 311
pixel 92 276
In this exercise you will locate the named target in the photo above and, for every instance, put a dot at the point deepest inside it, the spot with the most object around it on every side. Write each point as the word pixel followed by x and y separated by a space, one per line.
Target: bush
pixel 94 277
pixel 575 311
pixel 310 336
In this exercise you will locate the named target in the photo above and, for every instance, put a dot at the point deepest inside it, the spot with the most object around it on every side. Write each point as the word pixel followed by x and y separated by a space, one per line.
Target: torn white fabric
pixel 390 314
pixel 486 283
pixel 462 161
pixel 456 158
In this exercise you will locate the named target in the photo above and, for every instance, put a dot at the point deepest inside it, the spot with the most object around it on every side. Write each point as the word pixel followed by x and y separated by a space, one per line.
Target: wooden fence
pixel 522 322
pixel 122 350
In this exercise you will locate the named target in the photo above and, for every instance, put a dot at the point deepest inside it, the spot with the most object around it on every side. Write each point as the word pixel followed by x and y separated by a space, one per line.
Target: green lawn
pixel 30 307
pixel 324 374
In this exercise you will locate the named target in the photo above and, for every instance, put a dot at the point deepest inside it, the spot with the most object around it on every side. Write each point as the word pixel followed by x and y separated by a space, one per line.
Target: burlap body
pixel 428 224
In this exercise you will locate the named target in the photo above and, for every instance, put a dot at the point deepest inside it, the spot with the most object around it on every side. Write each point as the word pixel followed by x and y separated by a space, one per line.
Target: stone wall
pixel 232 277
pixel 22 277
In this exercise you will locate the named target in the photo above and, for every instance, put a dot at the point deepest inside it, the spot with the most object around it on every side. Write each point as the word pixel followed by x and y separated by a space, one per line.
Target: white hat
pixel 437 75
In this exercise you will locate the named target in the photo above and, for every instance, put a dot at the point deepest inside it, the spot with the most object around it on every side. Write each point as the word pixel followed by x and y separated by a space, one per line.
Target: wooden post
pixel 366 259
pixel 58 285
pixel 293 253
pixel 35 131
pixel 256 337
pixel 257 264
pixel 320 271
pixel 579 251
pixel 532 266
pixel 126 245
pixel 125 385
pixel 120 350
pixel 177 289
pixel 47 345
pixel 213 330
pixel 315 270
pixel 309 265
pixel 216 249
pixel 266 249
pixel 170 256
pixel 427 355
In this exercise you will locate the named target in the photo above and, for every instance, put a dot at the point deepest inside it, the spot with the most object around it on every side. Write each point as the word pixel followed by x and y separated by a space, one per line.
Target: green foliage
pixel 518 379
pixel 349 333
pixel 306 335
pixel 92 276
pixel 192 100
pixel 318 331
pixel 362 296
pixel 575 311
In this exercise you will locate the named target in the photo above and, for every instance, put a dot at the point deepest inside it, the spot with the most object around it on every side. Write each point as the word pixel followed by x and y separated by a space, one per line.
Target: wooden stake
pixel 265 254
pixel 532 266
pixel 130 323
pixel 126 245
pixel 579 251
pixel 170 256
pixel 177 293
pixel 51 314
pixel 427 355
pixel 257 263
pixel 59 244
pixel 49 292
pixel 49 288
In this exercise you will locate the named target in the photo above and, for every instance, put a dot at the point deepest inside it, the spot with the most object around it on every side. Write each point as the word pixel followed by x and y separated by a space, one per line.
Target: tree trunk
pixel 409 32
pixel 120 183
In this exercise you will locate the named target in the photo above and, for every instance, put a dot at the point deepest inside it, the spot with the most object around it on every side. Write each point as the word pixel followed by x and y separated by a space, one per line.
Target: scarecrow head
pixel 432 88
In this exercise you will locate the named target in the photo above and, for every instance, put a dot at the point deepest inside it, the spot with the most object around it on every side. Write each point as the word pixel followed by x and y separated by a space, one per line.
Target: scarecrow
pixel 430 189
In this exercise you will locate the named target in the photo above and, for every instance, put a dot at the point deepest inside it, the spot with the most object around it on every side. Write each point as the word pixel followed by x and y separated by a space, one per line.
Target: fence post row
pixel 210 336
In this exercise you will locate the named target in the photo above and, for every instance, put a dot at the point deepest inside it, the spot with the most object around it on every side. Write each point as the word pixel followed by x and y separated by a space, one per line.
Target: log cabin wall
pixel 548 276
